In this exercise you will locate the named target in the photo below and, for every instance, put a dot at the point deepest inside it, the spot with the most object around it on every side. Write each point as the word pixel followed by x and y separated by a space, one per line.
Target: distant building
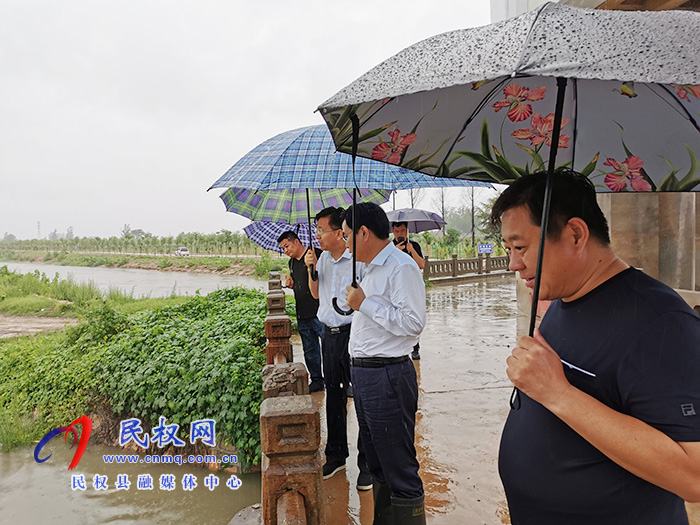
pixel 503 9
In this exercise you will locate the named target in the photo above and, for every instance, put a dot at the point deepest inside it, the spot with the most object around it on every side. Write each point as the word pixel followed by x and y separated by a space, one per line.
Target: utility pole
pixel 38 229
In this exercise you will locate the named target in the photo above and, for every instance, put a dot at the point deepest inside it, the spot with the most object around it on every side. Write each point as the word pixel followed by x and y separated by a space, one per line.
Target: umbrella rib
pixel 484 101
pixel 683 109
pixel 527 38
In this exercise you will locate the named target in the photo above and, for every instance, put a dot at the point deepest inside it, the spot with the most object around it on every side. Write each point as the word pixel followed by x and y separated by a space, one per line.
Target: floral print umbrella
pixel 480 103
pixel 613 94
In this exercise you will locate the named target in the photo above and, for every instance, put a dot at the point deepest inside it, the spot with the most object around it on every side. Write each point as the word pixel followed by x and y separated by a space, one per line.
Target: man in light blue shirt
pixel 334 268
pixel 390 315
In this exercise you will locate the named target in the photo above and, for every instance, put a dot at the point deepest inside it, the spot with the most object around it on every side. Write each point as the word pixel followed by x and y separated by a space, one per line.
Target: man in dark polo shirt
pixel 607 430
pixel 310 328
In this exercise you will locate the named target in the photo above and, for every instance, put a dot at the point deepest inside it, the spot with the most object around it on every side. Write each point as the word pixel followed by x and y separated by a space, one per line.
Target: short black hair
pixel 335 216
pixel 371 216
pixel 398 224
pixel 573 195
pixel 289 235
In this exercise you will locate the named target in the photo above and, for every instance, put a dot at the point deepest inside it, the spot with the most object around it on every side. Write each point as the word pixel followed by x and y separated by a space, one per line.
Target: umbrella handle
pixel 313 272
pixel 338 308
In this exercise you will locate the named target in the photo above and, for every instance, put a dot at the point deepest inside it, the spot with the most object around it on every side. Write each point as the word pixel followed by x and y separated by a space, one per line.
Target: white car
pixel 182 251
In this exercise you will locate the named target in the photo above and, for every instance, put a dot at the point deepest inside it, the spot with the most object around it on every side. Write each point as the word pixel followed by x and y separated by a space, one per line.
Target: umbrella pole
pixel 556 130
pixel 355 140
pixel 314 273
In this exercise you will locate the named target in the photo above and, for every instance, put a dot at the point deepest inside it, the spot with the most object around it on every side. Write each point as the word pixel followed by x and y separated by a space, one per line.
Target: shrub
pixel 266 264
pixel 201 359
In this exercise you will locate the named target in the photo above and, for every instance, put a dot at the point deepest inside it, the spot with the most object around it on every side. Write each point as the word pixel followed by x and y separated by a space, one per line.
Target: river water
pixel 141 283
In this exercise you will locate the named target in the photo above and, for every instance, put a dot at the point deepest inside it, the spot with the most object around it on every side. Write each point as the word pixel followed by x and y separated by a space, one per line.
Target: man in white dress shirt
pixel 390 315
pixel 334 268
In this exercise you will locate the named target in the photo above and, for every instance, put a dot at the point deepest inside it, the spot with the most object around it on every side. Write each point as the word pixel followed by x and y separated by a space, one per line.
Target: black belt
pixel 338 329
pixel 377 362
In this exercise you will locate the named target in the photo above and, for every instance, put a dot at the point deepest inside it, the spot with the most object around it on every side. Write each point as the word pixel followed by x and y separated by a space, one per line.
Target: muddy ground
pixel 11 326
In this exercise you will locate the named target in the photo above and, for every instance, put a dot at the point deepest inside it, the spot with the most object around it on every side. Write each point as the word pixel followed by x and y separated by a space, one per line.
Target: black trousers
pixel 386 401
pixel 336 372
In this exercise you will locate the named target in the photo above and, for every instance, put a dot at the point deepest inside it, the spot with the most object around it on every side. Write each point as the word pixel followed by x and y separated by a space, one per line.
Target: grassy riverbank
pixel 37 294
pixel 186 359
pixel 223 265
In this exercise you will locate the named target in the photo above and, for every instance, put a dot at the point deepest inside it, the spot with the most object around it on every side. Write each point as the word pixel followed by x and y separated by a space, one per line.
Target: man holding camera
pixel 412 248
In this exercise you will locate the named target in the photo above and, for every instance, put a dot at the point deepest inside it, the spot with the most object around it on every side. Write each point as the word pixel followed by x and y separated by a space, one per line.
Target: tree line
pixel 223 242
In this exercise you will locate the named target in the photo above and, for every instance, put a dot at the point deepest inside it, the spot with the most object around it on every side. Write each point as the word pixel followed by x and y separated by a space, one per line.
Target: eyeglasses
pixel 322 231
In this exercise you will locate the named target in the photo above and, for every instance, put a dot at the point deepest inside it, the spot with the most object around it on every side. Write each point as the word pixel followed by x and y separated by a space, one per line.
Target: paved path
pixel 462 406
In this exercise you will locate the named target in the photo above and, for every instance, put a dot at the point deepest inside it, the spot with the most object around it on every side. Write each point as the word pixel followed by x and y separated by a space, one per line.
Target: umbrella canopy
pixel 480 103
pixel 492 103
pixel 266 234
pixel 293 206
pixel 417 220
pixel 307 158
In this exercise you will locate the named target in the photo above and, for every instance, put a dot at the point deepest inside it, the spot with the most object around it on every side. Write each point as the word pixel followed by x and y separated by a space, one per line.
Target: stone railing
pixel 457 267
pixel 290 427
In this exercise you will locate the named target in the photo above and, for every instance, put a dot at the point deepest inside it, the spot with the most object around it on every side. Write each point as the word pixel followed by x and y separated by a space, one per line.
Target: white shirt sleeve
pixel 403 313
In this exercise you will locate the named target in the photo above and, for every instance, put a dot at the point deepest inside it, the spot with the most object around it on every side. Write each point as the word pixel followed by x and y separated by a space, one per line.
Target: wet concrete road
pixel 463 403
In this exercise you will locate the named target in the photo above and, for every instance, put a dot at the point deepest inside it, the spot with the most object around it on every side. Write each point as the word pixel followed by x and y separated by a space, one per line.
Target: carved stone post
pixel 290 427
pixel 278 325
pixel 488 263
pixel 290 431
pixel 454 265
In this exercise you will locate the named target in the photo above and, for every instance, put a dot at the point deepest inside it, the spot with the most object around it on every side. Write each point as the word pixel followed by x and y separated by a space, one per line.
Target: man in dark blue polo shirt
pixel 608 427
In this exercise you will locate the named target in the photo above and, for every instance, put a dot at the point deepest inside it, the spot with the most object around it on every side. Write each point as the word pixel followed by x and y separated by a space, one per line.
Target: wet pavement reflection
pixel 463 402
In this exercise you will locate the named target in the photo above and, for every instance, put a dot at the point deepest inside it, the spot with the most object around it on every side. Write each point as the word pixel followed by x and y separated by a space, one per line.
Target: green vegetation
pixel 139 242
pixel 200 359
pixel 267 264
pixel 36 294
pixel 242 265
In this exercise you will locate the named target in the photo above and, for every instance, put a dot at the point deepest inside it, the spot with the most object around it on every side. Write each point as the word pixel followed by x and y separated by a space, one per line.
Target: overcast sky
pixel 125 111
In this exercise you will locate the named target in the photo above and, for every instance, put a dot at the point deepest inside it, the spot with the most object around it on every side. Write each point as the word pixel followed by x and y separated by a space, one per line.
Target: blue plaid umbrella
pixel 266 234
pixel 293 206
pixel 307 158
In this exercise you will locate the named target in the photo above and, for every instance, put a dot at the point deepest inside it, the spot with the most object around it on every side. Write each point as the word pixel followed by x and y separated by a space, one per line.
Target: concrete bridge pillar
pixel 656 232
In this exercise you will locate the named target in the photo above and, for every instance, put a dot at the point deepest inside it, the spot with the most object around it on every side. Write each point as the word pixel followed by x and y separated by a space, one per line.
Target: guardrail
pixel 456 267
pixel 290 427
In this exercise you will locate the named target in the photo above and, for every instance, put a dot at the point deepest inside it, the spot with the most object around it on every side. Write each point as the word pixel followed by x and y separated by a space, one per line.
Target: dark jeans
pixel 336 372
pixel 311 331
pixel 386 401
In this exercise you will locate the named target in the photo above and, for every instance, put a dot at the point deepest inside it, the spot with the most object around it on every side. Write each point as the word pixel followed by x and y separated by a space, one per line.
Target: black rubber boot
pixel 409 511
pixel 382 504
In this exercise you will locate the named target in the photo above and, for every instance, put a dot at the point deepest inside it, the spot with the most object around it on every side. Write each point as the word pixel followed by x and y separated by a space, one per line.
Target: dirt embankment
pixel 11 326
pixel 235 268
